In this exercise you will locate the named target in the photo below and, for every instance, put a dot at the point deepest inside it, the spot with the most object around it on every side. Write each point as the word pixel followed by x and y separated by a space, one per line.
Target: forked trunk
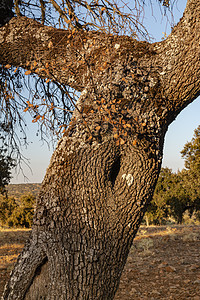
pixel 103 173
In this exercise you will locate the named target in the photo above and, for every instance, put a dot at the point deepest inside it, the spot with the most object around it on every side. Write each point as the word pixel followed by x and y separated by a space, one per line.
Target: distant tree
pixel 22 216
pixel 17 213
pixel 191 154
pixel 6 165
pixel 178 197
pixel 172 198
pixel 7 206
pixel 158 211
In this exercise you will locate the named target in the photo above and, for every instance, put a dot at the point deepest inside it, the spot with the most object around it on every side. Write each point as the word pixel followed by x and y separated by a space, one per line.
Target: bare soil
pixel 164 263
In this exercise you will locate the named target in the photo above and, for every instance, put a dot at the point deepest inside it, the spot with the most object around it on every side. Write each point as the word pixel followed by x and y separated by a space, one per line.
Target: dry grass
pixel 161 257
pixel 151 231
pixel 13 230
pixel 11 244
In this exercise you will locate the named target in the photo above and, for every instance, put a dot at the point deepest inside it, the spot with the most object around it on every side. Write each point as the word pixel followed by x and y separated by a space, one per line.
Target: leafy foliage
pixel 15 213
pixel 172 198
pixel 191 154
pixel 158 211
pixel 6 164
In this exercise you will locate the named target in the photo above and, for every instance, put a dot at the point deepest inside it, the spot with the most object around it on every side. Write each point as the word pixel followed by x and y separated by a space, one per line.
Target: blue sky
pixel 179 132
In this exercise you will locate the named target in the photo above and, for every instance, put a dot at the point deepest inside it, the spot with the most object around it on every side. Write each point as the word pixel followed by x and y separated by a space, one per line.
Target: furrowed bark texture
pixel 100 180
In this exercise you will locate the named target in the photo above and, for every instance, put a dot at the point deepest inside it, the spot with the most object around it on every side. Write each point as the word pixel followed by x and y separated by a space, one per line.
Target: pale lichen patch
pixel 128 178
pixel 117 46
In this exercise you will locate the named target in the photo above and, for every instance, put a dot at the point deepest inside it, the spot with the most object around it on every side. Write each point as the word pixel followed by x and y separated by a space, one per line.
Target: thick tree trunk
pixel 100 180
pixel 88 213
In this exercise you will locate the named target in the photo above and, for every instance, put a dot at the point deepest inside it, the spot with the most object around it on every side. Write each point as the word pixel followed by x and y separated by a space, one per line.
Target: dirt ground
pixel 164 263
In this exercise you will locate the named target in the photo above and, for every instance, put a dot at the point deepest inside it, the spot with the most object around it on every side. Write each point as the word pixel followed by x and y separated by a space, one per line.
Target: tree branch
pixel 17 9
pixel 79 58
pixel 73 57
pixel 179 57
pixel 44 50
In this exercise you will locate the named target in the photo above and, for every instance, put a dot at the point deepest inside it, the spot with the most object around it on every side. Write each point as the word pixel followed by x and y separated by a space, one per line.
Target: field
pixel 164 263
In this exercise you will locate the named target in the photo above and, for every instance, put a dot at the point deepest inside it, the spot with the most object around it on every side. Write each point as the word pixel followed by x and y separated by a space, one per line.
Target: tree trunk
pixel 100 181
pixel 88 213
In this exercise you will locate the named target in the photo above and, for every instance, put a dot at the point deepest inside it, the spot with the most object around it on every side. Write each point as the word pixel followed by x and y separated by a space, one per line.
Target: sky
pixel 179 132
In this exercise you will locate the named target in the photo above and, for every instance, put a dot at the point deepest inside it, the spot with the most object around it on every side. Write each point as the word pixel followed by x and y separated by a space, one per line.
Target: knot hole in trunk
pixel 115 170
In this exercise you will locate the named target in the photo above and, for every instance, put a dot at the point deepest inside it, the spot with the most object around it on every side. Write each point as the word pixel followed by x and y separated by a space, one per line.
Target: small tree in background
pixel 172 198
pixel 17 213
pixel 7 207
pixel 22 216
pixel 178 198
pixel 6 165
pixel 158 210
pixel 191 154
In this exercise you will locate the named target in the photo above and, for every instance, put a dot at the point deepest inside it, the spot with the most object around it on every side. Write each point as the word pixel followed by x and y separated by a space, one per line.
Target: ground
pixel 164 263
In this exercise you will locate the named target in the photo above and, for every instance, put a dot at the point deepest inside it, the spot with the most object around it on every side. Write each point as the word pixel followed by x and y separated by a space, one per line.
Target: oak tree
pixel 103 172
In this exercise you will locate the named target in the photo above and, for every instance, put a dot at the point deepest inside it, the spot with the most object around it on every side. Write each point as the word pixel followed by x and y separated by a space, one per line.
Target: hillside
pixel 17 190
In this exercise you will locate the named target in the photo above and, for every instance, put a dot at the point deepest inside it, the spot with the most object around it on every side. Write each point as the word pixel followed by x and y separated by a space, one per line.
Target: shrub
pixel 17 214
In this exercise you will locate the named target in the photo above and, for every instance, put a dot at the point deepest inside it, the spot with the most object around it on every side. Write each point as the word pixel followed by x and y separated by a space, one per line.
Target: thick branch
pixel 179 56
pixel 73 58
pixel 79 59
pixel 45 50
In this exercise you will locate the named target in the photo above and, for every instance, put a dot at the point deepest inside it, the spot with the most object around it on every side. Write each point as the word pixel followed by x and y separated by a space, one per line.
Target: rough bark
pixel 98 185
